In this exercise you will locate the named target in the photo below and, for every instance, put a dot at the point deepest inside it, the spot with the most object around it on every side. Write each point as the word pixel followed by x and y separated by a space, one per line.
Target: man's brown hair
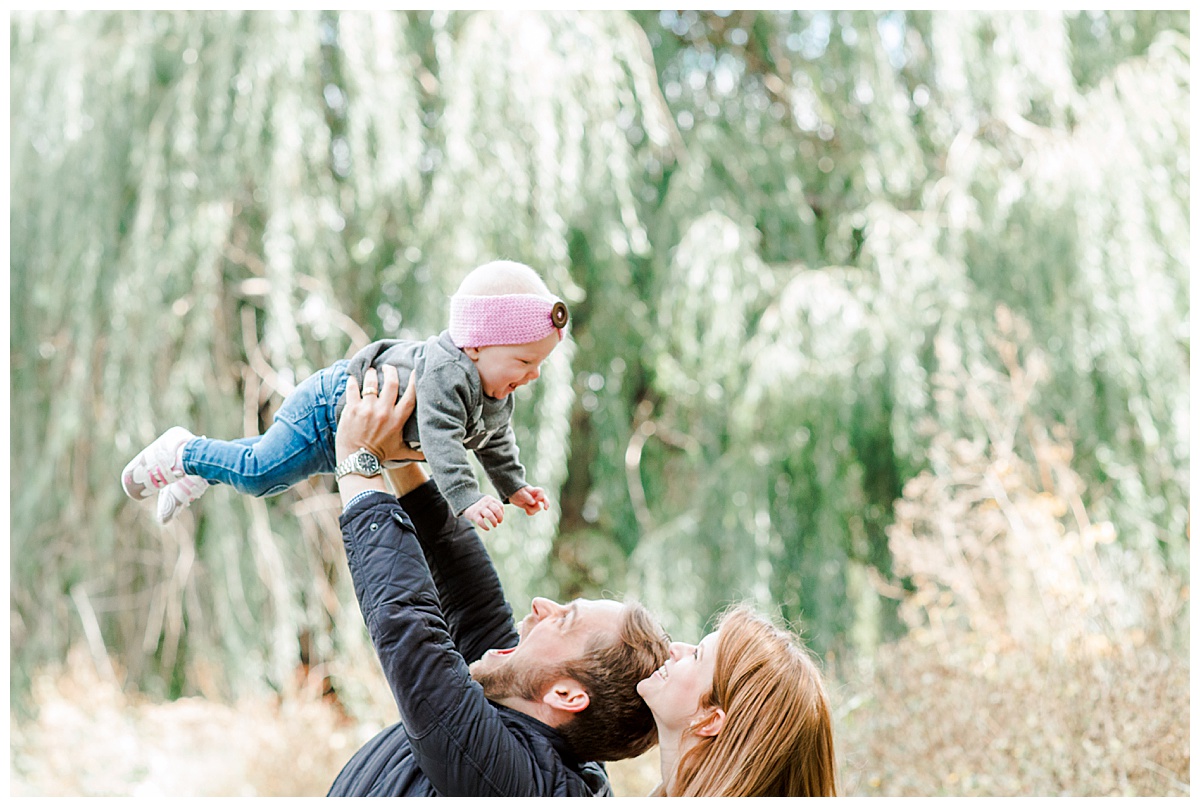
pixel 617 723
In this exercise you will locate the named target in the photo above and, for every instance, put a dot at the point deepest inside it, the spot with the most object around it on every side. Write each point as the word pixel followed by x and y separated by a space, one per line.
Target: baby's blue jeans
pixel 298 444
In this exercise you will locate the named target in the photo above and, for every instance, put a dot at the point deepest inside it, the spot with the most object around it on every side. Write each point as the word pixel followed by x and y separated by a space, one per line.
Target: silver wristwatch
pixel 361 462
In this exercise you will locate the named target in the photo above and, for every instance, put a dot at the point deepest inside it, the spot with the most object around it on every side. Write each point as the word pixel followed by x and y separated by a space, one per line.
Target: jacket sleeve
pixel 468 587
pixel 499 460
pixel 443 396
pixel 458 738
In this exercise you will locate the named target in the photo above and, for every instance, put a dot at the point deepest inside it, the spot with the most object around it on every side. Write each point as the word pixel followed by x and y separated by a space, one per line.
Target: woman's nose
pixel 677 649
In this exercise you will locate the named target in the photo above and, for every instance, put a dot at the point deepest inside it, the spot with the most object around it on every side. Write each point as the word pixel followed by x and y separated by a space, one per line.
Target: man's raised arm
pixel 472 599
pixel 457 739
pixel 471 596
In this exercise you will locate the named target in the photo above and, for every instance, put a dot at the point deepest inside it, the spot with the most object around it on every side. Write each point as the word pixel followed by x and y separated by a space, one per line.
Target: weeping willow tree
pixel 214 206
pixel 763 222
pixel 854 188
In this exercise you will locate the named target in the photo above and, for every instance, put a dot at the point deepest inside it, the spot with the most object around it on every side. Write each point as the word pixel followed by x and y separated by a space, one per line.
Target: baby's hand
pixel 531 500
pixel 486 513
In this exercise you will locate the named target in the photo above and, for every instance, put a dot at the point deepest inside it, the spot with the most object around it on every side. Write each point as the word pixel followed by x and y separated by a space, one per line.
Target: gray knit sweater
pixel 453 416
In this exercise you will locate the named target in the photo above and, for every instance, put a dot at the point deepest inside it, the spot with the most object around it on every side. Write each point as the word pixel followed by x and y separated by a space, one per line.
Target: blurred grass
pixel 87 738
pixel 90 739
pixel 1117 725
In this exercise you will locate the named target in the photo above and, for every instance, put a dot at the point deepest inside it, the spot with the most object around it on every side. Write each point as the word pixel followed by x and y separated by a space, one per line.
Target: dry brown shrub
pixel 1043 657
pixel 1027 725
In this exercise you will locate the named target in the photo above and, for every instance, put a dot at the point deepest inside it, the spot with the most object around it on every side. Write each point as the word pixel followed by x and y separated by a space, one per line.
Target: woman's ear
pixel 711 726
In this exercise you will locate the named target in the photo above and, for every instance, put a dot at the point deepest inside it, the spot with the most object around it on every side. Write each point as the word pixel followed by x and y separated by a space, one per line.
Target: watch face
pixel 368 463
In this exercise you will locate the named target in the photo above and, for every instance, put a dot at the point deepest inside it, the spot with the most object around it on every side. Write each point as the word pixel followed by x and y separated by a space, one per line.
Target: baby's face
pixel 503 368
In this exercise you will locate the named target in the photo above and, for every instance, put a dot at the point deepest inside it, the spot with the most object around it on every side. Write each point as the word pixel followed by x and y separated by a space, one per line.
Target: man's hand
pixel 373 420
pixel 531 500
pixel 486 513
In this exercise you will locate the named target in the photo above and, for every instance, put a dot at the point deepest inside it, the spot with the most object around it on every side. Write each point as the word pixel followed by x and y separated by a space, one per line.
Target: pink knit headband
pixel 504 319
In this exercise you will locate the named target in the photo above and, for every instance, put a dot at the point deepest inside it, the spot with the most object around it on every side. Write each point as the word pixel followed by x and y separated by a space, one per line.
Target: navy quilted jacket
pixel 433 603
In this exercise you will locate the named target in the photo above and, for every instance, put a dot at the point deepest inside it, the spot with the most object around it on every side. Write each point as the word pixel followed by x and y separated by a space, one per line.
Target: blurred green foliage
pixel 764 223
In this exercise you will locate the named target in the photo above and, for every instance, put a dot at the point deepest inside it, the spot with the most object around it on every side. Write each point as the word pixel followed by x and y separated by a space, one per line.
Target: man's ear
pixel 711 726
pixel 472 353
pixel 566 695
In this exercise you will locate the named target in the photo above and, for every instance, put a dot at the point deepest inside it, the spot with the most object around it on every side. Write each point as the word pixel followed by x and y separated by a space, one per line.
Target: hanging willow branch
pixel 217 205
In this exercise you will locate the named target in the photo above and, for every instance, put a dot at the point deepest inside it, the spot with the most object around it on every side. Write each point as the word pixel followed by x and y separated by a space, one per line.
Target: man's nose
pixel 543 607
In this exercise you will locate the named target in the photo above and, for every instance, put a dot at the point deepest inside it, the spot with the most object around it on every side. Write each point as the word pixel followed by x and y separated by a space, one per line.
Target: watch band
pixel 361 462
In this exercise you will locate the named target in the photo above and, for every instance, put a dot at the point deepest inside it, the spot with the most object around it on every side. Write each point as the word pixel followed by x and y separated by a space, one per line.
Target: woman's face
pixel 674 690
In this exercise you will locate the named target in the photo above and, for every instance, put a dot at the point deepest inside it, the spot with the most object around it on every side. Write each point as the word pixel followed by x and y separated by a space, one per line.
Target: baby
pixel 504 323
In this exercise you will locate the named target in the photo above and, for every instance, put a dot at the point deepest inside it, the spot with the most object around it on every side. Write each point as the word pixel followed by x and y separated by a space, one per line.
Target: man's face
pixel 551 636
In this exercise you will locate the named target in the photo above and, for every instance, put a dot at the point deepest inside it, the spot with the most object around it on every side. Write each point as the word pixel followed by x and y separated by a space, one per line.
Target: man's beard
pixel 513 681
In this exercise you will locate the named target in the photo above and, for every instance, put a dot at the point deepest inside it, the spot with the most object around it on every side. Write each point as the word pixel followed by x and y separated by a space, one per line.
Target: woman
pixel 743 713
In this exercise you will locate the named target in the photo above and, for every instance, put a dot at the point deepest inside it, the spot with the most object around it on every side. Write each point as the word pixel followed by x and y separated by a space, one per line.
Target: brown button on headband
pixel 558 315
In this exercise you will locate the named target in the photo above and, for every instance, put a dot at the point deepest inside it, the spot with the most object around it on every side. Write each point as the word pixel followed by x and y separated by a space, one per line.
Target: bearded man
pixel 541 705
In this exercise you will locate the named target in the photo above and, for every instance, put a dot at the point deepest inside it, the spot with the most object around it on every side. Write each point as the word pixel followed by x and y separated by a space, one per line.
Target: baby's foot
pixel 175 497
pixel 157 465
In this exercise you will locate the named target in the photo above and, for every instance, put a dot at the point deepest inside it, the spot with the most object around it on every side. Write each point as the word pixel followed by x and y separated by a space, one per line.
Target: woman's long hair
pixel 778 734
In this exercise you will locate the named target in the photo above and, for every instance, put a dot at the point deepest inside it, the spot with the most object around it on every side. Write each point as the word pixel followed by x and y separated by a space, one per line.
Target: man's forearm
pixel 405 479
pixel 402 480
pixel 469 589
pixel 351 485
